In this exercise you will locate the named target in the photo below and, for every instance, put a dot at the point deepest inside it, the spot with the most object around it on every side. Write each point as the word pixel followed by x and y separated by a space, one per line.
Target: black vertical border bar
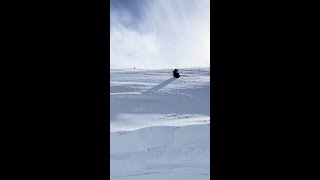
pixel 216 90
pixel 107 86
pixel 103 82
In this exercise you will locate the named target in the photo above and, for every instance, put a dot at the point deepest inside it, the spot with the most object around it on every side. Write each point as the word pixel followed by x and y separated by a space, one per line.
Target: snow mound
pixel 161 153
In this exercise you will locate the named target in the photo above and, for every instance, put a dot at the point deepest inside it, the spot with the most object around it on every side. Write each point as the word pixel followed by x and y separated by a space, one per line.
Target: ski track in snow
pixel 160 125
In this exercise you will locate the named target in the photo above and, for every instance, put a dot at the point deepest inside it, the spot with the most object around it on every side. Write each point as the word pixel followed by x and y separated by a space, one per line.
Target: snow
pixel 160 126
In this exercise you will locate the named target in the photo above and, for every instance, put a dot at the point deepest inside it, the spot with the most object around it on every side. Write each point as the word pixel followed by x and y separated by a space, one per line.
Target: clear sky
pixel 159 34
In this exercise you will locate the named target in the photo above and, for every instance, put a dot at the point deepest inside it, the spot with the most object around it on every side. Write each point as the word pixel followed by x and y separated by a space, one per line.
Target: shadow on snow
pixel 160 86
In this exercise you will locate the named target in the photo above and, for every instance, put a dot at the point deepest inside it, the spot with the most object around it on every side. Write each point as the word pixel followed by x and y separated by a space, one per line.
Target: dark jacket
pixel 176 73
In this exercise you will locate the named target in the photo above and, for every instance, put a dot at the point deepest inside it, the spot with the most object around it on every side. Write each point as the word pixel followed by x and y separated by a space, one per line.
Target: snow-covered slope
pixel 160 125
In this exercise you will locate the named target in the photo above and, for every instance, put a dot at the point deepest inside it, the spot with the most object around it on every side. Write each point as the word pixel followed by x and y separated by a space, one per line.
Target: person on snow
pixel 176 73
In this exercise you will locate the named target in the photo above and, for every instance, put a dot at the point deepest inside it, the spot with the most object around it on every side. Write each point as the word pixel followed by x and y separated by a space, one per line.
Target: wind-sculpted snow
pixel 161 152
pixel 160 125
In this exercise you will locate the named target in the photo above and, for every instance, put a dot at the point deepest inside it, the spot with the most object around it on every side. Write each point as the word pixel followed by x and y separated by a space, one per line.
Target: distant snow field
pixel 160 126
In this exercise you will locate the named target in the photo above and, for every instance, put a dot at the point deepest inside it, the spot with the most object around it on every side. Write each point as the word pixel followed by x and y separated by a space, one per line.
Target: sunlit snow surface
pixel 160 125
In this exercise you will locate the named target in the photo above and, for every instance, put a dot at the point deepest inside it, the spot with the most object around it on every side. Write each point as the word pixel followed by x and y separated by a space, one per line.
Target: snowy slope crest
pixel 144 98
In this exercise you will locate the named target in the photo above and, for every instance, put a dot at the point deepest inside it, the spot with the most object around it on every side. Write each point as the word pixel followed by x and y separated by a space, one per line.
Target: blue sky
pixel 157 34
